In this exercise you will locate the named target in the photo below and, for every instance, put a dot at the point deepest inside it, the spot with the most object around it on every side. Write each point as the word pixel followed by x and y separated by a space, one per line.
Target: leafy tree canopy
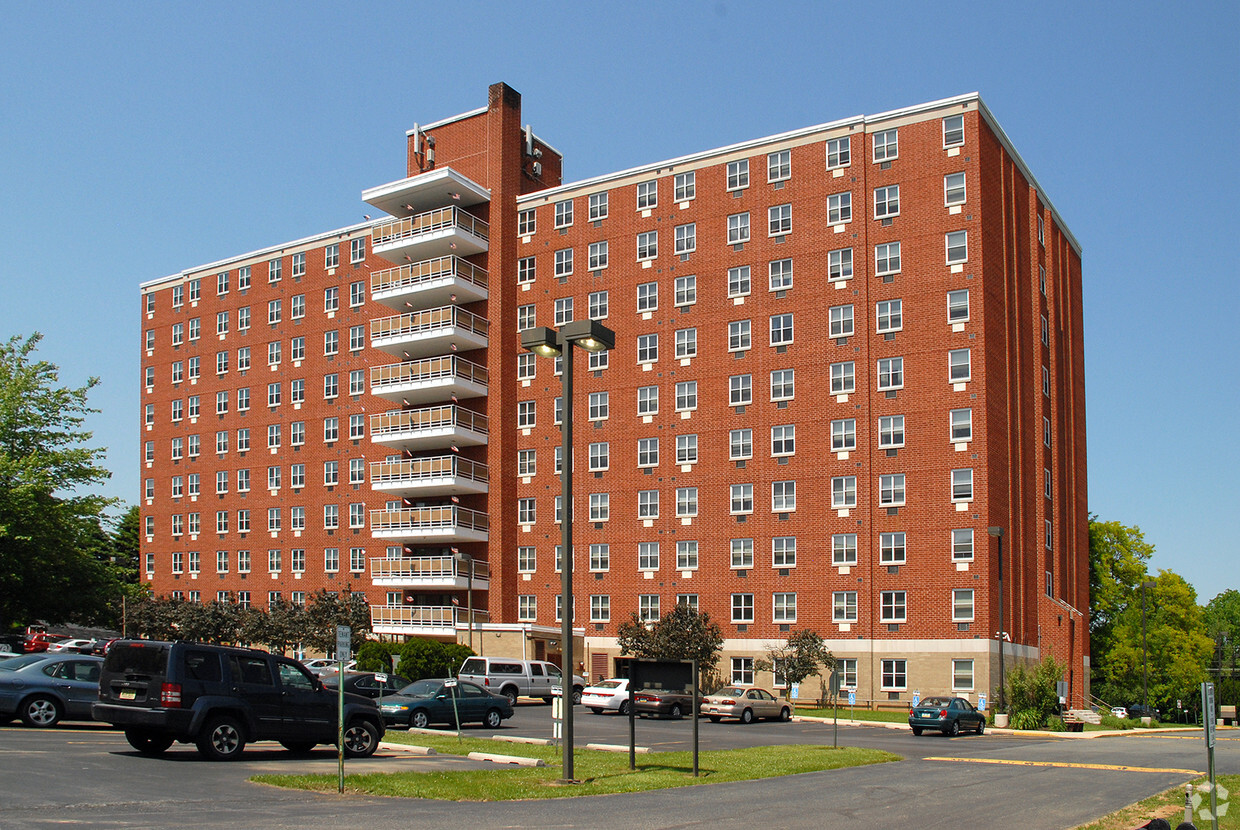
pixel 802 655
pixel 683 634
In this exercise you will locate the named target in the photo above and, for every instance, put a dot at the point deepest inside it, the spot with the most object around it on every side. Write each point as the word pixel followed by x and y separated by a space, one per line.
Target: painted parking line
pixel 1115 767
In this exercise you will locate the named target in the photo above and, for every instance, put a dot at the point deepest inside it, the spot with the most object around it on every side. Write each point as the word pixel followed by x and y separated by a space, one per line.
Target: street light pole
pixel 593 337
pixel 997 532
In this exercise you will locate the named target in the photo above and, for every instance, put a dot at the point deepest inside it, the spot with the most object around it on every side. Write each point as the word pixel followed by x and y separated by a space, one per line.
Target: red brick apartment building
pixel 842 354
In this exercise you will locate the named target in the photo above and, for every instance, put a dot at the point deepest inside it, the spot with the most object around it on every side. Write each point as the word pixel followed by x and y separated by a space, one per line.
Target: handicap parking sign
pixel 981 702
pixel 916 697
pixel 852 697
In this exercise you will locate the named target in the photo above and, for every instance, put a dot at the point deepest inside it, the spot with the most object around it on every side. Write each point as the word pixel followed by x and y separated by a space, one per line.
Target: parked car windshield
pixel 422 688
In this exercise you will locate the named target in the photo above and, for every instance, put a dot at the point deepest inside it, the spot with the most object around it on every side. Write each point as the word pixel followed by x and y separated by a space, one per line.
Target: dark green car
pixel 949 715
pixel 433 700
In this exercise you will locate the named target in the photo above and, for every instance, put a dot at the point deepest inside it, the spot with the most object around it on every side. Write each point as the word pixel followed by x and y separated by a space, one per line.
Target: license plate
pixel 128 694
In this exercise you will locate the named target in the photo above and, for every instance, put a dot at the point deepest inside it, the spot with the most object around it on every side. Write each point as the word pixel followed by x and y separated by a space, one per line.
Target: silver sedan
pixel 744 703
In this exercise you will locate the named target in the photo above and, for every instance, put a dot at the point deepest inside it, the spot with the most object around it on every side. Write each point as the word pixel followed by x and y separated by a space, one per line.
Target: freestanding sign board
pixel 662 674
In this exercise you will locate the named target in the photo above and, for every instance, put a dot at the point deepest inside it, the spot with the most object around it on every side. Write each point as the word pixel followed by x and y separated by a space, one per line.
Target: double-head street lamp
pixel 997 532
pixel 593 337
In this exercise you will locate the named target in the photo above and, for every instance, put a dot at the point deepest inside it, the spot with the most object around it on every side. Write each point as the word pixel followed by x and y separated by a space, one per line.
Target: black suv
pixel 220 698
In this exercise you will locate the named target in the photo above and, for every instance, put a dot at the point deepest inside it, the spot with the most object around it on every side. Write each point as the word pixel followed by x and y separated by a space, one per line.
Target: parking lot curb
pixel 412 750
pixel 506 759
pixel 517 739
pixel 641 750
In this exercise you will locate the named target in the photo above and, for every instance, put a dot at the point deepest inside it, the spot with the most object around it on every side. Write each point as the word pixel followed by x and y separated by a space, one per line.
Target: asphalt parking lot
pixel 88 775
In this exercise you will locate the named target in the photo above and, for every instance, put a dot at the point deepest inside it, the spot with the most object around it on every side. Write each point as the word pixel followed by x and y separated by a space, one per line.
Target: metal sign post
pixel 344 648
pixel 1207 717
pixel 835 694
pixel 450 683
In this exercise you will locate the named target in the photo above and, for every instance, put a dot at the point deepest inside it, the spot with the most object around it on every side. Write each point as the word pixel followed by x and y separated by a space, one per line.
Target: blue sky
pixel 139 139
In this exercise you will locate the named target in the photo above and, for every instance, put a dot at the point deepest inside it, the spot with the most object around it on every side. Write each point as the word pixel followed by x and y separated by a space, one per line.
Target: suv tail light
pixel 170 695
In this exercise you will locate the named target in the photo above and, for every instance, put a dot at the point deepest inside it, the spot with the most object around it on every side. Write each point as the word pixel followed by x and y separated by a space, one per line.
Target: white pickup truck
pixel 517 678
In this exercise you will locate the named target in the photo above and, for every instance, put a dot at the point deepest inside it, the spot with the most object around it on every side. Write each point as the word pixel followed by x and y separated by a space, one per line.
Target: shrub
pixel 421 658
pixel 1032 695
pixel 375 656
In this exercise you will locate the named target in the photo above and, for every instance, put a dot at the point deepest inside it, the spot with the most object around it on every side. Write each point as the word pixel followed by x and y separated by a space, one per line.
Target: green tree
pixel 801 656
pixel 51 538
pixel 1032 695
pixel 682 634
pixel 421 658
pixel 282 625
pixel 325 611
pixel 126 552
pixel 1222 618
pixel 1118 557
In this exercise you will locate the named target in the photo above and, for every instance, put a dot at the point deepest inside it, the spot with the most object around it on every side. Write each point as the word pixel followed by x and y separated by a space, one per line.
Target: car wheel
pixel 419 719
pixel 715 718
pixel 981 726
pixel 624 707
pixel 221 740
pixel 677 712
pixel 916 730
pixel 41 712
pixel 510 693
pixel 493 718
pixel 361 739
pixel 298 747
pixel 598 710
pixel 785 714
pixel 953 730
pixel 576 695
pixel 148 742
pixel 747 716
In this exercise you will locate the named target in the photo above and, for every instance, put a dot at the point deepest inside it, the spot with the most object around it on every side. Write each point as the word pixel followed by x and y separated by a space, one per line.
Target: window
pixel 357 338
pixel 526 414
pixel 600 507
pixel 783 440
pixel 221 363
pixel 840 264
pixel 331 386
pixel 962 605
pixel 273 394
pixel 958 306
pixel 686 396
pixel 957 247
pixel 686 502
pixel 1045 332
pixel 1041 230
pixel 647 245
pixel 886 146
pixel 844 549
pixel 686 556
pixel 781 329
pixel 331 429
pixel 740 390
pixel 648 556
pixel 738 174
pixel 740 444
pixel 526 511
pixel 243 320
pixel 331 342
pixel 600 455
pixel 686 449
pixel 600 607
pixel 742 671
pixel 887 201
pixel 739 335
pixel 357 426
pixel 962 675
pixel 598 206
pixel 685 239
pixel 648 296
pixel 564 263
pixel 953 136
pixel 839 152
pixel 647 400
pixel 178 296
pixel 647 195
pixel 958 367
pixel 273 311
pixel 953 189
pixel 840 321
pixel 962 485
pixel 357 470
pixel 891 490
pixel 527 222
pixel 891 431
pixel 844 606
pixel 891 373
pixel 742 499
pixel 961 425
pixel 600 557
pixel 887 258
pixel 357 253
pixel 843 378
pixel 783 496
pixel 780 275
pixel 195 290
pixel 783 384
pixel 1049 535
pixel 357 381
pixel 564 213
pixel 685 186
pixel 779 220
pixel 600 407
pixel 779 166
pixel 892 549
pixel 525 317
pixel 962 545
pixel 784 608
pixel 273 353
pixel 895 675
pixel 784 552
pixel 889 315
pixel 844 435
pixel 648 504
pixel 598 260
pixel 297 476
pixel 686 290
pixel 738 281
pixel 1046 431
pixel 193 368
pixel 839 208
pixel 843 492
pixel 738 228
pixel 647 348
pixel 1046 476
pixel 742 608
pixel 648 607
pixel 894 607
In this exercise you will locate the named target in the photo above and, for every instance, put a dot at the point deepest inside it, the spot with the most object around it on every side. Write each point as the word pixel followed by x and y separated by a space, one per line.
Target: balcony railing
pixel 422 519
pixel 427 322
pixel 427 369
pixel 449 218
pixel 424 569
pixel 421 273
pixel 416 470
pixel 429 418
pixel 411 617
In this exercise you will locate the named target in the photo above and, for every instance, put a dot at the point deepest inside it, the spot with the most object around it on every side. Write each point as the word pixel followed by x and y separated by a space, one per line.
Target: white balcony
pixel 442 572
pixel 434 282
pixel 437 188
pixel 449 523
pixel 433 427
pixel 448 231
pixel 423 620
pixel 441 475
pixel 429 380
pixel 431 332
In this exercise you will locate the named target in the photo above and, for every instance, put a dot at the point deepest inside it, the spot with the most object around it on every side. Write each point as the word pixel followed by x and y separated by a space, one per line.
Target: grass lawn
pixel 599 772
pixel 1170 805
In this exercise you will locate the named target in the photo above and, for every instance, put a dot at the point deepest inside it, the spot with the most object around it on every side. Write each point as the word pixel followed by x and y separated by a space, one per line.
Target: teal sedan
pixel 949 715
pixel 439 700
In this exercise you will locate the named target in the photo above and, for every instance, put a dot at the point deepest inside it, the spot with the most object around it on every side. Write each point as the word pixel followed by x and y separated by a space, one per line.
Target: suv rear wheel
pixel 510 692
pixel 361 739
pixel 221 739
pixel 147 741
